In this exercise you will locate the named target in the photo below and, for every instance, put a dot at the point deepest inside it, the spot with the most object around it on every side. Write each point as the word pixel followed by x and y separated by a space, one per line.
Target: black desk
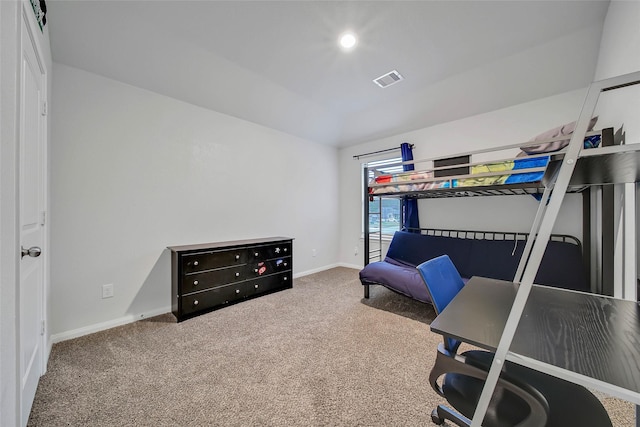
pixel 587 339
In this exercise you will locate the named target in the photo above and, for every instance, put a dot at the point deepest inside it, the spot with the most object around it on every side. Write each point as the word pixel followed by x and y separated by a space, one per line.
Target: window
pixel 384 212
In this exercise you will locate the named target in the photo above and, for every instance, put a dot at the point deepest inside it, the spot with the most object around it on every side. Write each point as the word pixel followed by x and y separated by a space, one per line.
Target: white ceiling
pixel 277 63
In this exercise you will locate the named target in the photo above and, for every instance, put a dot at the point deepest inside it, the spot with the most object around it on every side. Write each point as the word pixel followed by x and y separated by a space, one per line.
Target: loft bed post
pixel 365 222
pixel 560 187
pixel 366 228
pixel 594 238
pixel 608 246
pixel 597 205
pixel 607 214
pixel 379 250
pixel 630 273
pixel 587 249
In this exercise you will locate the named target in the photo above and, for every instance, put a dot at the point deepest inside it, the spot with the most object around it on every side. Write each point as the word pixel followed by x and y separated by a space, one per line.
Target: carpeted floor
pixel 315 355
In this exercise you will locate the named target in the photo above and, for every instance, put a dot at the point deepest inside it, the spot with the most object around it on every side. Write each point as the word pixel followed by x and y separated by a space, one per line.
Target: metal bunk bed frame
pixel 572 171
pixel 602 259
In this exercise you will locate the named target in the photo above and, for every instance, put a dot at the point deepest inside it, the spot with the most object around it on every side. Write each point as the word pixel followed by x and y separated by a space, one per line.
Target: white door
pixel 32 205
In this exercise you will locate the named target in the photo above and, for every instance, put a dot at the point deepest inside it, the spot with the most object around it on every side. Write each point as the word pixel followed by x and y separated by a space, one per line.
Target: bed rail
pixel 530 174
pixel 491 235
pixel 513 236
pixel 605 133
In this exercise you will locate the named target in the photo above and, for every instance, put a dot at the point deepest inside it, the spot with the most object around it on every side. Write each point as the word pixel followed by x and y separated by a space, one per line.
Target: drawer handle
pixel 255 270
pixel 237 257
pixel 195 302
pixel 255 286
pixel 237 274
pixel 256 254
pixel 237 291
pixel 285 264
pixel 285 249
pixel 195 263
pixel 195 283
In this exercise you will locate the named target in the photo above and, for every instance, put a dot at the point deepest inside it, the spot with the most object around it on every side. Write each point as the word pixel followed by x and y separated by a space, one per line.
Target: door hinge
pixel 44 108
pixel 42 328
pixel 43 218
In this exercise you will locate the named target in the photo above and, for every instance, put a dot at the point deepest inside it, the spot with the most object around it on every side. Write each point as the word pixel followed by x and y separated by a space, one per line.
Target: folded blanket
pixel 510 165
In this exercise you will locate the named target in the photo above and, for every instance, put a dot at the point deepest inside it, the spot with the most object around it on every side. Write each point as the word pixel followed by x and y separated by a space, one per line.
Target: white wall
pixel 620 40
pixel 618 55
pixel 134 172
pixel 498 128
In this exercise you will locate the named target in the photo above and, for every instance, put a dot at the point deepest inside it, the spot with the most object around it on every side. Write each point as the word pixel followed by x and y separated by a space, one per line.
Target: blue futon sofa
pixel 562 265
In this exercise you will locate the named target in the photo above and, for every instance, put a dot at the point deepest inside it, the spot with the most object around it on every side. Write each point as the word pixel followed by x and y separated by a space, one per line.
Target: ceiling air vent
pixel 388 79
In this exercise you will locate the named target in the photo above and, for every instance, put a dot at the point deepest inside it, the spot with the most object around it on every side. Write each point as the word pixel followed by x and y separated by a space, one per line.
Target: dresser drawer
pixel 208 299
pixel 269 283
pixel 194 282
pixel 264 268
pixel 265 252
pixel 222 295
pixel 215 259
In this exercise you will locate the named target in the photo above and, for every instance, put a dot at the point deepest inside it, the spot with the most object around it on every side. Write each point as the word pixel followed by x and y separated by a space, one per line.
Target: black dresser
pixel 208 276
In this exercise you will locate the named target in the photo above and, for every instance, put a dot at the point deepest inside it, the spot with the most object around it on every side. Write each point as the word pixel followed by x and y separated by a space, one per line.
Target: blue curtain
pixel 409 206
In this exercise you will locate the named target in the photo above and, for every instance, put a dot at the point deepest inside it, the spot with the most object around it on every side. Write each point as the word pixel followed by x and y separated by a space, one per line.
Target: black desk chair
pixel 523 397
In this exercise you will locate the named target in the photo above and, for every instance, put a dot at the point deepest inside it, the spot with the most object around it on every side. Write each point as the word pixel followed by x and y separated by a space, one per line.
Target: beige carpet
pixel 315 355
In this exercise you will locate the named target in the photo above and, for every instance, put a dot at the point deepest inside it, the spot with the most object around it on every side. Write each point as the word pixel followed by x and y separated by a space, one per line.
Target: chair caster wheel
pixel 435 418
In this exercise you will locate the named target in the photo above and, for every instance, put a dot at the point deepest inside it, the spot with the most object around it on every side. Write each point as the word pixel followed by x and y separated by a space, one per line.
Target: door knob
pixel 33 252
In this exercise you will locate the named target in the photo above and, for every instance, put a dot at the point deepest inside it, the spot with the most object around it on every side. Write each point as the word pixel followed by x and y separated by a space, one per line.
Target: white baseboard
pixel 86 330
pixel 326 267
pixel 347 265
pixel 315 270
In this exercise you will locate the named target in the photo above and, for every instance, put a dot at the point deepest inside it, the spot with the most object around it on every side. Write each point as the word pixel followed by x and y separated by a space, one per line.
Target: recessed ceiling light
pixel 348 41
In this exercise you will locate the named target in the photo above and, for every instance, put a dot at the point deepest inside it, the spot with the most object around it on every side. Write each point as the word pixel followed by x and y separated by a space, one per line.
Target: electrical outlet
pixel 107 291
